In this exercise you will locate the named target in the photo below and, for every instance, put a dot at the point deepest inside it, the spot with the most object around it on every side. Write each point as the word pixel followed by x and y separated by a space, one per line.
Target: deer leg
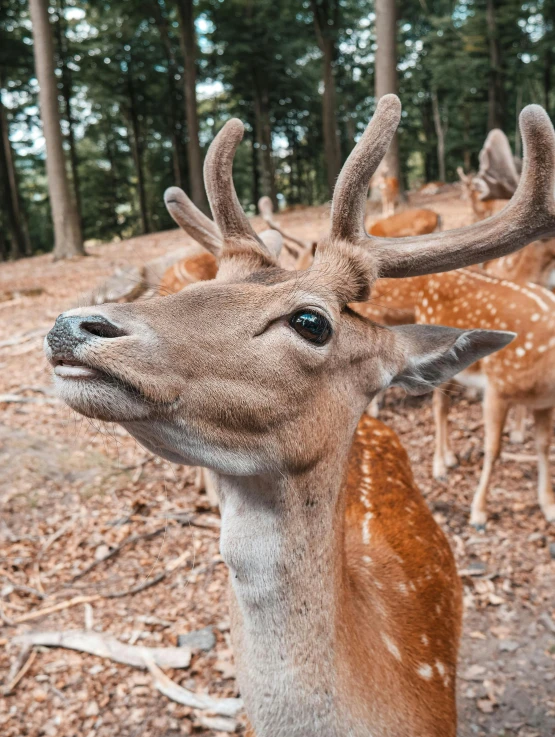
pixel 444 457
pixel 207 482
pixel 374 407
pixel 542 430
pixel 517 433
pixel 495 413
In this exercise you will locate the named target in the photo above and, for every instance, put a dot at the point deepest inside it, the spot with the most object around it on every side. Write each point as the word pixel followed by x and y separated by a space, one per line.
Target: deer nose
pixel 71 331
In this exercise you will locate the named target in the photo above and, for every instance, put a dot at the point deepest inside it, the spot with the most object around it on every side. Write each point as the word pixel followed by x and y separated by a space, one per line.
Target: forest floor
pixel 72 490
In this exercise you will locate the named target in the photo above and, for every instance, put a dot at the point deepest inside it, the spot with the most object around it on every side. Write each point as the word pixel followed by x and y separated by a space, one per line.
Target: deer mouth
pixel 76 370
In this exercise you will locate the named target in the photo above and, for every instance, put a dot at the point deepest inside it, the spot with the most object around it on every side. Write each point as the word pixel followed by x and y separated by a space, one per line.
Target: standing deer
pixel 388 188
pixel 345 603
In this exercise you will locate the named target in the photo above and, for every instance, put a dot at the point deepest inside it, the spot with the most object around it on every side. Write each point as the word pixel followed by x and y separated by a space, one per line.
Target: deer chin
pixel 100 396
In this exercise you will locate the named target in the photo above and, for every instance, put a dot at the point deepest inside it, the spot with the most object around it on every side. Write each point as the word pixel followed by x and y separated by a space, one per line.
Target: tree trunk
pixel 495 88
pixel 137 149
pixel 254 164
pixel 385 74
pixel 440 134
pixel 326 16
pixel 162 25
pixel 263 130
pixel 67 91
pixel 67 233
pixel 189 50
pixel 20 244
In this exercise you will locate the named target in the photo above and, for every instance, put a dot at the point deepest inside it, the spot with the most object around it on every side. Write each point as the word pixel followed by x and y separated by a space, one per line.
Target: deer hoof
pixel 451 460
pixel 549 512
pixel 478 520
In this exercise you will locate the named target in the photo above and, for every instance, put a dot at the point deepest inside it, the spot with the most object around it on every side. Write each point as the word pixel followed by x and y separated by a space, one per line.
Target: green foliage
pixel 123 62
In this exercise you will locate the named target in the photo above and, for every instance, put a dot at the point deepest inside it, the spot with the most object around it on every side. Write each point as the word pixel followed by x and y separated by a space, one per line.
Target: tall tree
pixel 67 233
pixel 63 54
pixel 496 102
pixel 189 50
pixel 326 24
pixel 20 244
pixel 385 76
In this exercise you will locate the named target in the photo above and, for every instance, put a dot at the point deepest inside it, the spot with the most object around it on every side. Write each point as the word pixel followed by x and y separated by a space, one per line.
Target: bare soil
pixel 71 490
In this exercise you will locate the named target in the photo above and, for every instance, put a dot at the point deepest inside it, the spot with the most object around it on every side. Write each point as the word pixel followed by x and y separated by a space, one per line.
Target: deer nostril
pixel 101 327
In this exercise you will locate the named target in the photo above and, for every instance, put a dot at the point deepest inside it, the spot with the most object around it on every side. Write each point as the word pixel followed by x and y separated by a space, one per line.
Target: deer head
pixel 261 368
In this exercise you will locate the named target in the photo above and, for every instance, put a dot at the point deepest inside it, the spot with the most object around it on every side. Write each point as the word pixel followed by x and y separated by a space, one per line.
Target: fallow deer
pixel 388 187
pixel 407 223
pixel 344 596
pixel 496 180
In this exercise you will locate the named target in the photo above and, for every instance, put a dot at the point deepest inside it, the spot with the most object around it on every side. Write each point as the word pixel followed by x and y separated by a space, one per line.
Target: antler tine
pixel 530 215
pixel 218 180
pixel 349 197
pixel 194 222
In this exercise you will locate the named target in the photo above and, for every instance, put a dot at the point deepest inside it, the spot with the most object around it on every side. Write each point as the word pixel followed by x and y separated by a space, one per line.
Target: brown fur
pixel 406 223
pixel 340 577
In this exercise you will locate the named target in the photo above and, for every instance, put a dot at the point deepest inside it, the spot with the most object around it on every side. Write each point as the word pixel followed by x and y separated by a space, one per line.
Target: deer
pixel 408 222
pixel 202 263
pixel 497 178
pixel 395 303
pixel 388 188
pixel 262 375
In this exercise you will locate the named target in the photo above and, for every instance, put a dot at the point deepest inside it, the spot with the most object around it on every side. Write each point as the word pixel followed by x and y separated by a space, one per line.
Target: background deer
pixel 263 374
pixel 388 187
pixel 406 223
pixel 497 177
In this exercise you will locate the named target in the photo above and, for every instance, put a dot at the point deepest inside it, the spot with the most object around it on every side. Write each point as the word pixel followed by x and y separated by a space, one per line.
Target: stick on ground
pixel 106 646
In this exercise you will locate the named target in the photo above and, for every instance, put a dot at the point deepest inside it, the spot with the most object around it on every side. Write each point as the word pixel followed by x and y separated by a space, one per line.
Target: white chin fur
pixel 75 372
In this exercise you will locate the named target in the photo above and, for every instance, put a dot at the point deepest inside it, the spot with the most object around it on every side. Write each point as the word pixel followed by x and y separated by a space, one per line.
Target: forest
pixel 142 88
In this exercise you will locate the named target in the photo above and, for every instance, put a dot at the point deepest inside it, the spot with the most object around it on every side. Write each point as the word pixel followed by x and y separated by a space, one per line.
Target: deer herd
pixel 344 595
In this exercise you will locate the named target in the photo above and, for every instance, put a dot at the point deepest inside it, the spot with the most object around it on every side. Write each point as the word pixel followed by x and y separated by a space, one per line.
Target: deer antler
pixel 194 222
pixel 227 211
pixel 529 215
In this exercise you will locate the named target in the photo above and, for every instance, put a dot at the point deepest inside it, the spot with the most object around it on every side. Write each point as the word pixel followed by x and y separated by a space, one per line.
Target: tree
pixel 20 244
pixel 386 80
pixel 496 102
pixel 67 233
pixel 189 50
pixel 326 24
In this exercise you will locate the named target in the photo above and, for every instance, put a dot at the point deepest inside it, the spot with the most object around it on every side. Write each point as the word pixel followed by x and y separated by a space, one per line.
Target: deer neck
pixel 283 540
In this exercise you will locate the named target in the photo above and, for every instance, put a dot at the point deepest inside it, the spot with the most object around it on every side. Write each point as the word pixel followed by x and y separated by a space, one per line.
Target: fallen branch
pixel 17 399
pixel 117 551
pixel 221 707
pixel 21 665
pixel 106 646
pixel 55 608
pixel 522 457
pixel 218 724
pixel 137 589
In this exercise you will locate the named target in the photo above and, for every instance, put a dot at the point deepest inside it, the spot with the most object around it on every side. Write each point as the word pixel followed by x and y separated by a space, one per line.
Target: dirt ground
pixel 72 490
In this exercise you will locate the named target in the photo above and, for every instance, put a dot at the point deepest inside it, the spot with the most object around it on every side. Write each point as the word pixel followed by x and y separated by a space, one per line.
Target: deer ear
pixel 435 354
pixel 272 240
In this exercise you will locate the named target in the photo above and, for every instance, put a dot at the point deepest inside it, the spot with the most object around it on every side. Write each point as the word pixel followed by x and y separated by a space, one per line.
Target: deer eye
pixel 311 326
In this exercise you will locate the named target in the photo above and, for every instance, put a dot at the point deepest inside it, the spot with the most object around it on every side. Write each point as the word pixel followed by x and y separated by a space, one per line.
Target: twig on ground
pixel 137 589
pixel 522 457
pixel 116 551
pixel 221 707
pixel 218 724
pixel 20 666
pixel 28 616
pixel 106 646
pixel 17 399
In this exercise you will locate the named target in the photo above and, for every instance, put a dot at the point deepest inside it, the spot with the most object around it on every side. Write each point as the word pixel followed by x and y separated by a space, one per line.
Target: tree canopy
pixel 121 70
